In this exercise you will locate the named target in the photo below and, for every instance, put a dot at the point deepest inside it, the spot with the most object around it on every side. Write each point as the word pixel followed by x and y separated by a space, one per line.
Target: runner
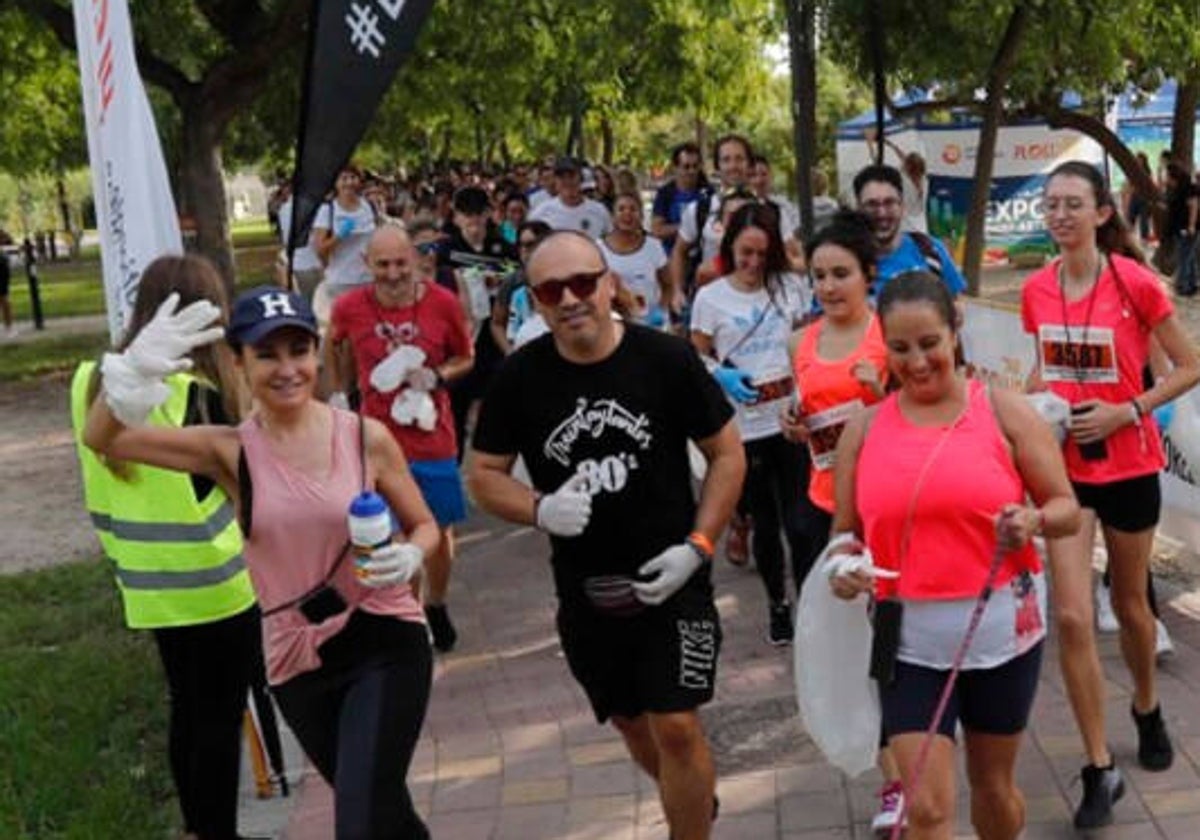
pixel 740 327
pixel 1093 313
pixel 638 261
pixel 601 412
pixel 934 481
pixel 409 340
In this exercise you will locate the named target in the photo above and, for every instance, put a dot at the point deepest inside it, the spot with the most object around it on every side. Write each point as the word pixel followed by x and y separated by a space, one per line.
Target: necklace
pixel 1076 351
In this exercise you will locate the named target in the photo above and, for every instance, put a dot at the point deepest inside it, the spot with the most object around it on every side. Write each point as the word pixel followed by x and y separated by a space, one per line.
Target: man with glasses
pixel 601 412
pixel 400 312
pixel 687 184
pixel 879 191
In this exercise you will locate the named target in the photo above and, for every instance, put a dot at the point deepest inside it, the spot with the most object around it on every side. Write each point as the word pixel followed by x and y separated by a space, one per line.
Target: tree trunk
pixel 801 17
pixel 1183 120
pixel 701 137
pixel 607 141
pixel 985 155
pixel 204 185
pixel 575 133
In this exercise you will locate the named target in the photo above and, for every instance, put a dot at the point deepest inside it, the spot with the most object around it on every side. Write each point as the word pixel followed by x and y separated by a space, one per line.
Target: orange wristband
pixel 702 542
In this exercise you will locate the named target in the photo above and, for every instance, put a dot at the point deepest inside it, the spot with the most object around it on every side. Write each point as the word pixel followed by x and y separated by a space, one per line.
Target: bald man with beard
pixel 601 412
pixel 408 339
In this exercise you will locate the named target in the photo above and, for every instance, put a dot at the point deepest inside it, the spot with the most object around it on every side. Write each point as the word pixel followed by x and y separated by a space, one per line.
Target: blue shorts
pixel 441 485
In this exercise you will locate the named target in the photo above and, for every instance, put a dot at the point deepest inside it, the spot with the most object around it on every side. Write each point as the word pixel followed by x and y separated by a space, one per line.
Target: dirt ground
pixel 41 503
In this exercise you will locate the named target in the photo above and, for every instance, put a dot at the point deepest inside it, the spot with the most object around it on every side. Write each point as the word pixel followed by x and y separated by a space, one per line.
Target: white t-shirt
pixel 914 206
pixel 639 272
pixel 789 215
pixel 347 266
pixel 711 242
pixel 304 258
pixel 538 197
pixel 727 314
pixel 590 217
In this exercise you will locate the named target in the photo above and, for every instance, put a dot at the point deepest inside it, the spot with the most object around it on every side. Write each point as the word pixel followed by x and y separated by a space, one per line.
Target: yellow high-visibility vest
pixel 177 559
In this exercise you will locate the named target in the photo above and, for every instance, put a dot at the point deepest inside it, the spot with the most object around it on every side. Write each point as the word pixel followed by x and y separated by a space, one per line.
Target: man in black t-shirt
pixel 601 412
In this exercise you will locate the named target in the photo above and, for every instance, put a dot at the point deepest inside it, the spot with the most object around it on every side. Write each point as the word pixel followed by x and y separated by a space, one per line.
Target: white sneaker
pixel 1106 619
pixel 1162 640
pixel 891 803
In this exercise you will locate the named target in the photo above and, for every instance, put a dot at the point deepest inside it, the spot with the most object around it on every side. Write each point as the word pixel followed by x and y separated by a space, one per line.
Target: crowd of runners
pixel 631 386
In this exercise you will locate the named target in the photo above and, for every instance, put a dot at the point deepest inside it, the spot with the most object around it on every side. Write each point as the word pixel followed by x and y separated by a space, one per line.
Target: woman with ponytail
pixel 1094 312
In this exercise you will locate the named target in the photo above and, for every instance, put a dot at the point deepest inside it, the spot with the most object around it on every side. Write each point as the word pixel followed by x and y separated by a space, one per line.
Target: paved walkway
pixel 510 749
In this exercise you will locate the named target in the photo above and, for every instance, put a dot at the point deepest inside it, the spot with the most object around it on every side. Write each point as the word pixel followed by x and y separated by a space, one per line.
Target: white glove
pixel 848 564
pixel 338 400
pixel 388 375
pixel 414 408
pixel 566 511
pixel 133 379
pixel 390 565
pixel 422 379
pixel 673 568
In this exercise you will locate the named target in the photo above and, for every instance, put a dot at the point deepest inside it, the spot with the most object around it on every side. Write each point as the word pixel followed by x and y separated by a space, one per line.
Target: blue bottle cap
pixel 367 504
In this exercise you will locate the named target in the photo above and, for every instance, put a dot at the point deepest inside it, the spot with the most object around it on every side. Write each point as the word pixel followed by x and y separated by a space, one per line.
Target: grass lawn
pixel 75 288
pixel 82 713
pixel 52 354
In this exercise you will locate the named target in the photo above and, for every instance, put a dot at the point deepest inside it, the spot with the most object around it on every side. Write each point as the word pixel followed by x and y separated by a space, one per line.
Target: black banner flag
pixel 355 48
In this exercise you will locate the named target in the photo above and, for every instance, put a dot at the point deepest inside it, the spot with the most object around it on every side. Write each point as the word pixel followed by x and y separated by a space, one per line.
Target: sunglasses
pixel 427 248
pixel 582 285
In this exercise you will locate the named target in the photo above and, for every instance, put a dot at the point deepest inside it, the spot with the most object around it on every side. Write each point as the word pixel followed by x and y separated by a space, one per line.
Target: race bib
pixel 824 430
pixel 1068 357
pixel 1028 623
pixel 773 387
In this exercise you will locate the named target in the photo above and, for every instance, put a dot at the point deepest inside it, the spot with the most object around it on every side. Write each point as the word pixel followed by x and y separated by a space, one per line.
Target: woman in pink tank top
pixel 347 650
pixel 934 481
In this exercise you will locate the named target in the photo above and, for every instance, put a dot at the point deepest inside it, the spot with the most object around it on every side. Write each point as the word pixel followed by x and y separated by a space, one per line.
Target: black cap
pixel 566 164
pixel 262 310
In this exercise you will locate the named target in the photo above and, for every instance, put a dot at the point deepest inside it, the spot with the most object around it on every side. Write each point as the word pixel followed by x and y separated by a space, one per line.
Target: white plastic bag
pixel 839 702
pixel 1054 410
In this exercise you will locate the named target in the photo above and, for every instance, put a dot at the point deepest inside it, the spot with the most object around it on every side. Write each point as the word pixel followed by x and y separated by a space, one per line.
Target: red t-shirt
pixel 434 323
pixel 1100 356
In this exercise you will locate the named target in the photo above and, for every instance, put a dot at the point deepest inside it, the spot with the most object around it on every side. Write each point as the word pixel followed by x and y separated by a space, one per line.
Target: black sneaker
pixel 1154 745
pixel 780 631
pixel 440 626
pixel 1102 786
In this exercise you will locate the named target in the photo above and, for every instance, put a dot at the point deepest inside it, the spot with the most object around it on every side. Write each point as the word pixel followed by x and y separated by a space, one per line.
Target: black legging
pixel 776 472
pixel 208 668
pixel 358 718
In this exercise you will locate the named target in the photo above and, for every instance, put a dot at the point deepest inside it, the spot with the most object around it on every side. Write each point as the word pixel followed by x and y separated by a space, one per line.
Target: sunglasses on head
pixel 582 285
pixel 427 248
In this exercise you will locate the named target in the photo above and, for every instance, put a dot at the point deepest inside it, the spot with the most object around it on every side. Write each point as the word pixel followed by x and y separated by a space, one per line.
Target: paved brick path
pixel 510 749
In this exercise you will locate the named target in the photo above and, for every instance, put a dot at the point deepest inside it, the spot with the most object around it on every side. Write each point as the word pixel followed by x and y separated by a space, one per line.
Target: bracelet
pixel 537 503
pixel 701 544
pixel 1138 407
pixel 1137 414
pixel 1040 529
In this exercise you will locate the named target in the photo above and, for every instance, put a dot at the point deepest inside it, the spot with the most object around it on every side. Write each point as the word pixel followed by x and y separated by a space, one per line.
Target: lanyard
pixel 1076 355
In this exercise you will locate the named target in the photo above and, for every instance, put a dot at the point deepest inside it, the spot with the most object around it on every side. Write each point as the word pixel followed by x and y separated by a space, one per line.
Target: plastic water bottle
pixel 370 525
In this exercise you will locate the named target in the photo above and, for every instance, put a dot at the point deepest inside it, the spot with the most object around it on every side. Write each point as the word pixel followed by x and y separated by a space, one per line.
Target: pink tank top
pixel 298 530
pixel 953 533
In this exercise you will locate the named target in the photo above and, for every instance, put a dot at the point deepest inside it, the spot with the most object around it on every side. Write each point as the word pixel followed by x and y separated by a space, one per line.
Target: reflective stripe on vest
pixel 132 579
pixel 177 558
pixel 125 529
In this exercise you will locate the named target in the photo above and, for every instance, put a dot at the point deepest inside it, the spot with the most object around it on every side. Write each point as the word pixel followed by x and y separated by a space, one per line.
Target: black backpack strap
pixel 933 259
pixel 245 494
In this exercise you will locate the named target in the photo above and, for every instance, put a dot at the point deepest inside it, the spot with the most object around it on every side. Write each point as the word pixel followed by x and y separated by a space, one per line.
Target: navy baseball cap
pixel 262 310
pixel 566 164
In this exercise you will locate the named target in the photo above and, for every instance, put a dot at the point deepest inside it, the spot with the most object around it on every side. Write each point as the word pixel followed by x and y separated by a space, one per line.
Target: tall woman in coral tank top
pixel 938 480
pixel 1093 312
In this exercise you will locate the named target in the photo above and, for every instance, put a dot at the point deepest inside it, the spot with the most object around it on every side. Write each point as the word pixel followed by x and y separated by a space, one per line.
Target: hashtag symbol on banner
pixel 392 7
pixel 364 30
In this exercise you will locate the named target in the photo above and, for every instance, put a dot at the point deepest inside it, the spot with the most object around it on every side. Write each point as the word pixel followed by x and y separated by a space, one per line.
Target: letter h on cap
pixel 276 304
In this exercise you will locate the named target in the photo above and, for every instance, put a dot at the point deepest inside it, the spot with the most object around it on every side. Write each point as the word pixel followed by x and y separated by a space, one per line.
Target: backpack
pixel 695 249
pixel 933 257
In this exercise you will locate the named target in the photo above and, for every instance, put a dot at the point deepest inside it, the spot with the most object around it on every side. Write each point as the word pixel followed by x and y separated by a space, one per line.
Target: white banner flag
pixel 135 211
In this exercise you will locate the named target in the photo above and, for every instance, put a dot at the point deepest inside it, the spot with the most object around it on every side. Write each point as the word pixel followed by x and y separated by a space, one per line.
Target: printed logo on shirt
pixel 394 335
pixel 697 653
pixel 1077 354
pixel 591 419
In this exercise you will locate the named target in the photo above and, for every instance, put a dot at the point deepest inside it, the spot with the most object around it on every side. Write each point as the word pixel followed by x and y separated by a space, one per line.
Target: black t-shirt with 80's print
pixel 625 423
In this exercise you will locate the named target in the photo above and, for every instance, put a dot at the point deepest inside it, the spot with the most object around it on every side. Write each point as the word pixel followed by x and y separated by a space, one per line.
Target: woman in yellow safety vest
pixel 176 550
